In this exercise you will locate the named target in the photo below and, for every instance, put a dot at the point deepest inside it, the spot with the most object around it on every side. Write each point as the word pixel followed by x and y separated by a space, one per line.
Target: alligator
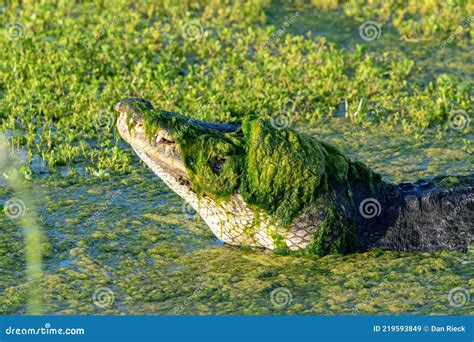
pixel 257 185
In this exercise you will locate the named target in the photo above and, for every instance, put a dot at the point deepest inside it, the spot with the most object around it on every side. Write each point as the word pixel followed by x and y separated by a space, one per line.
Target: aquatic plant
pixel 203 59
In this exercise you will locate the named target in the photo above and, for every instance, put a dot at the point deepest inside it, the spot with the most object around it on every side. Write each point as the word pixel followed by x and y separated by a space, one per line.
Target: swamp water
pixel 126 244
pixel 129 245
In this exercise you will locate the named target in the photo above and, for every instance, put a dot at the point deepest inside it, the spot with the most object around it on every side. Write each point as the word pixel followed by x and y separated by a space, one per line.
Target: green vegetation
pixel 386 102
pixel 153 259
pixel 59 81
pixel 334 237
pixel 275 178
pixel 428 20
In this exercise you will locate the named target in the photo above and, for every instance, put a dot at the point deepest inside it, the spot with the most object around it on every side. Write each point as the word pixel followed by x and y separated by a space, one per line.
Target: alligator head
pixel 261 186
pixel 177 149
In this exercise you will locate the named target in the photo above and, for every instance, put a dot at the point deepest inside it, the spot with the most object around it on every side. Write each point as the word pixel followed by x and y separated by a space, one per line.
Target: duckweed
pixel 57 116
pixel 61 109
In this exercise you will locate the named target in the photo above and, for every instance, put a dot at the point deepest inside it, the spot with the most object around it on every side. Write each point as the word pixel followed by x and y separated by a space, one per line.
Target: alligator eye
pixel 217 164
pixel 217 168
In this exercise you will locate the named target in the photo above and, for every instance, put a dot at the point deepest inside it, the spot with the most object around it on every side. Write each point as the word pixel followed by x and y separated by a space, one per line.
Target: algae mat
pixel 101 234
pixel 128 245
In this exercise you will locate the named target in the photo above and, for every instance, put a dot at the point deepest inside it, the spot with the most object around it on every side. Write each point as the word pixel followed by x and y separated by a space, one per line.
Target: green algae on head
pixel 278 171
pixel 211 157
pixel 283 169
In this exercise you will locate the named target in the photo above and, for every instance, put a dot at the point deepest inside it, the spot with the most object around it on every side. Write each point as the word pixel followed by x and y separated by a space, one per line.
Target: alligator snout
pixel 131 104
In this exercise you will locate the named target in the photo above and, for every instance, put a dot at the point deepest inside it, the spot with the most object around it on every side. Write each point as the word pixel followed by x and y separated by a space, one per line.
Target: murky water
pixel 128 245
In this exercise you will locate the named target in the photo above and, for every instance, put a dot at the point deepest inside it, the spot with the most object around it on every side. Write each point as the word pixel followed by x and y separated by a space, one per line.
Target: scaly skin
pixel 352 215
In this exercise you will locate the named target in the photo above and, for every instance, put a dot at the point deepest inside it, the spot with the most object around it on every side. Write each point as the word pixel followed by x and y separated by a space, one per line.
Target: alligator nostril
pixel 119 106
